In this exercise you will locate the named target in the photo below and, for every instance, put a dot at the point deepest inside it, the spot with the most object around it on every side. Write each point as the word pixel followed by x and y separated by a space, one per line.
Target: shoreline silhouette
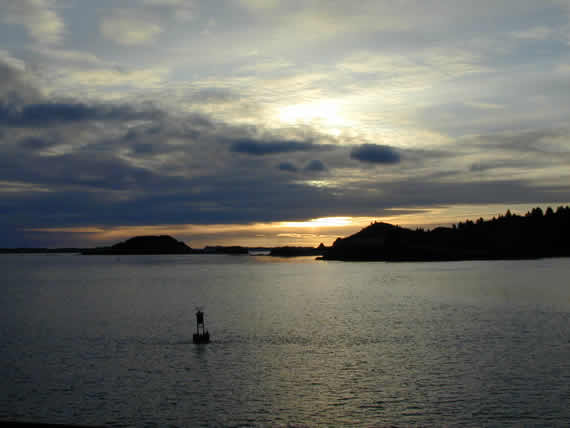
pixel 537 234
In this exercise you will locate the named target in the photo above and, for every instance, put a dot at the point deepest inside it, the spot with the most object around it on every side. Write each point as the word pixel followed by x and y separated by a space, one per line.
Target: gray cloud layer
pixel 171 112
pixel 107 164
pixel 259 148
pixel 54 113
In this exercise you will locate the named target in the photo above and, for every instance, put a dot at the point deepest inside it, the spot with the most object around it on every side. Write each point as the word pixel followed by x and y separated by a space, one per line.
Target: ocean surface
pixel 106 340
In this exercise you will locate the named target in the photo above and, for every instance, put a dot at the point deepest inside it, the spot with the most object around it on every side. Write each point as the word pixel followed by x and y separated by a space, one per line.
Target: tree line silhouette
pixel 509 236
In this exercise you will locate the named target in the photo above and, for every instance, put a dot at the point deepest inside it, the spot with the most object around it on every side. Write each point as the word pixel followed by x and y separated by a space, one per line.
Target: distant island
pixel 298 251
pixel 162 244
pixel 534 235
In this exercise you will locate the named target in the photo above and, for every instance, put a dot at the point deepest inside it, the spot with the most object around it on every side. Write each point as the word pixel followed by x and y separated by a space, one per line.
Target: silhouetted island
pixel 298 251
pixel 162 244
pixel 509 236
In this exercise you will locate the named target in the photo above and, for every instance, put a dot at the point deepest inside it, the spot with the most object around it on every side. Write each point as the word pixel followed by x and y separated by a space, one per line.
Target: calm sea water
pixel 107 340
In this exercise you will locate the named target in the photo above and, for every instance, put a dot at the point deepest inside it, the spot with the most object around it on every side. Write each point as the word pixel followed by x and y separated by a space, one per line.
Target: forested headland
pixel 533 235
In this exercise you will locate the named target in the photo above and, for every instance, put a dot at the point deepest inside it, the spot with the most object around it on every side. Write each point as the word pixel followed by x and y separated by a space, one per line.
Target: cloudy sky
pixel 269 123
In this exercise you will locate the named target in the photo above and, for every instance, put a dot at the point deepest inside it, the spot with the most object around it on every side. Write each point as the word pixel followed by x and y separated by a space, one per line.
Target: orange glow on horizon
pixel 296 233
pixel 293 233
pixel 318 222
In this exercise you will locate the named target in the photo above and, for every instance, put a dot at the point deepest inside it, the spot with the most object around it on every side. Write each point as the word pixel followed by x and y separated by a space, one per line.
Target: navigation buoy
pixel 203 336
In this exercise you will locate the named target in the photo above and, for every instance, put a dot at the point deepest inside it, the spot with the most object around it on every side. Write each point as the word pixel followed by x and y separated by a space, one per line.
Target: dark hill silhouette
pixel 289 251
pixel 534 235
pixel 162 244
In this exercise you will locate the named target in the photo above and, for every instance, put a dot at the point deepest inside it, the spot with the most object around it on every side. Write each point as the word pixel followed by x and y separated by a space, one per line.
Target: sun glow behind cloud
pixel 318 222
pixel 328 115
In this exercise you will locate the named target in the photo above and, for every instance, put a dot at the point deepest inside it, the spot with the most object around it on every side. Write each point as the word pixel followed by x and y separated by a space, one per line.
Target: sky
pixel 265 123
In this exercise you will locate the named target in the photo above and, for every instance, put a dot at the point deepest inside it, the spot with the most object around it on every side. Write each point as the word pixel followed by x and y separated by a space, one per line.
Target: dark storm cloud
pixel 188 128
pixel 144 148
pixel 159 200
pixel 375 153
pixel 287 166
pixel 55 113
pixel 91 171
pixel 36 143
pixel 262 148
pixel 316 166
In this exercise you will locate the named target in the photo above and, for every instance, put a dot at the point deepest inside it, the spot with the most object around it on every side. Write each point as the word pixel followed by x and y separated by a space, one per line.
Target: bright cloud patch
pixel 319 222
pixel 129 30
pixel 38 17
